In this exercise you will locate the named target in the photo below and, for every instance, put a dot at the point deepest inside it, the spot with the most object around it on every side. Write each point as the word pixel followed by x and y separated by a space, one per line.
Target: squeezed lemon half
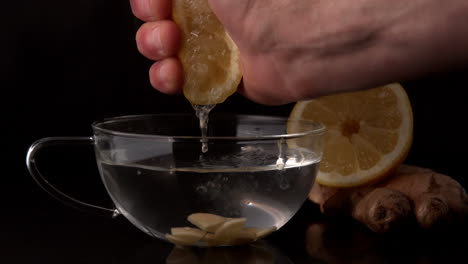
pixel 209 57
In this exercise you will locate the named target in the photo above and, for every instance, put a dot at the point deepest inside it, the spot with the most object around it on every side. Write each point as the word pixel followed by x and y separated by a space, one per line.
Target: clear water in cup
pixel 265 188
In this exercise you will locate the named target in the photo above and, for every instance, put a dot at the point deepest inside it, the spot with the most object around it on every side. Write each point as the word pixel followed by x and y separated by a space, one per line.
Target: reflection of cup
pixel 256 253
pixel 156 174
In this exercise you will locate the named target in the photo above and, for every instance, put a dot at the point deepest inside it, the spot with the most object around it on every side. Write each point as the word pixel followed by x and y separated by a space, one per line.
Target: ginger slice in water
pixel 206 222
pixel 181 241
pixel 211 241
pixel 253 229
pixel 261 233
pixel 188 232
pixel 229 228
pixel 265 232
pixel 216 231
pixel 241 237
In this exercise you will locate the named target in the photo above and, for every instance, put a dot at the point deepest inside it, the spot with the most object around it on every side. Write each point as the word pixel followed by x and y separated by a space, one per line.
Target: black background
pixel 65 64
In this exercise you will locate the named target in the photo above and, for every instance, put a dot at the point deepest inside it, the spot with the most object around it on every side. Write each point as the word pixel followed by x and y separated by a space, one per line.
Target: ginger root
pixel 434 200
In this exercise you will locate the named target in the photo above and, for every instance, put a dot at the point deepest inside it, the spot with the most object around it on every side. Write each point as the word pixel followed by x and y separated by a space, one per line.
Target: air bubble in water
pixel 201 189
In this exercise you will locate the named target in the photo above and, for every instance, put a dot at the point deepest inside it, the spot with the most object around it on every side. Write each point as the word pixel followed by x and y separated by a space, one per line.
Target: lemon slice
pixel 208 55
pixel 369 133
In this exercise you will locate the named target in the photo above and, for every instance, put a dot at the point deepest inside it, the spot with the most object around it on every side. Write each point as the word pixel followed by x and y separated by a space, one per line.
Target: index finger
pixel 151 10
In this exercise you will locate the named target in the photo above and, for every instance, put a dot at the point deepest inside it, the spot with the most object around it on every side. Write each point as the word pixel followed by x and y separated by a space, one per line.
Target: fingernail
pixel 156 40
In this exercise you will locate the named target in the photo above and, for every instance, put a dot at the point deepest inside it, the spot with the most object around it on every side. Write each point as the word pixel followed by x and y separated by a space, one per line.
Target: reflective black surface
pixel 44 231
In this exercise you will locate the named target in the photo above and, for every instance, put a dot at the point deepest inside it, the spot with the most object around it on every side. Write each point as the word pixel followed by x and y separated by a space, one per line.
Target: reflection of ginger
pixel 434 199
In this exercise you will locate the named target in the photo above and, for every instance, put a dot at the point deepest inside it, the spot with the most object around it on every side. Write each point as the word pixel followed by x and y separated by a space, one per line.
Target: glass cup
pixel 156 174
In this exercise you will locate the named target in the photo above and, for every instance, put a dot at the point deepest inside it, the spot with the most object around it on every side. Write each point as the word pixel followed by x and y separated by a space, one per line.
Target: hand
pixel 299 49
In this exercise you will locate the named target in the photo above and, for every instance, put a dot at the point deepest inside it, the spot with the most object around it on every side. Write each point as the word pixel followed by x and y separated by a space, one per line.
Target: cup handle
pixel 48 187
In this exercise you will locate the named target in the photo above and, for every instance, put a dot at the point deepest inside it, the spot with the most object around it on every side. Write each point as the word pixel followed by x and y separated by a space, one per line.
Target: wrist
pixel 390 44
pixel 431 38
pixel 340 52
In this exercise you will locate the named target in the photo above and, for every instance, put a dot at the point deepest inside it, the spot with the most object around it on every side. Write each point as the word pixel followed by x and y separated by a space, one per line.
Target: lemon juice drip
pixel 281 162
pixel 203 112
